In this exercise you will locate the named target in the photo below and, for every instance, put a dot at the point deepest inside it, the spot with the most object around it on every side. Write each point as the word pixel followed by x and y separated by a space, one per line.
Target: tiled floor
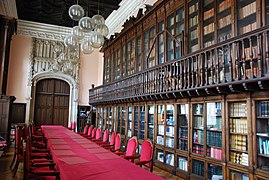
pixel 5 172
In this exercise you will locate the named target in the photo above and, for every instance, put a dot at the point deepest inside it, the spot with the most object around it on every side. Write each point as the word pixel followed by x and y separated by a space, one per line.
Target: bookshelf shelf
pixel 238 150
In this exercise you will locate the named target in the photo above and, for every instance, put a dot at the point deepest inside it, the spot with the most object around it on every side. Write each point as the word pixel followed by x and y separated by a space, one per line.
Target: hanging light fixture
pixel 89 33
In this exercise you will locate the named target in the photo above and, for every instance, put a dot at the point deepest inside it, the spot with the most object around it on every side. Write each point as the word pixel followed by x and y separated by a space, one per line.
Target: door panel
pixel 52 102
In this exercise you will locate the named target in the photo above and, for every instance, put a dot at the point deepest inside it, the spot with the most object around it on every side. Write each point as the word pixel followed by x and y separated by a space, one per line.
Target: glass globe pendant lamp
pixel 102 29
pixel 78 33
pixel 71 42
pixel 86 46
pixel 98 19
pixel 76 12
pixel 97 40
pixel 86 24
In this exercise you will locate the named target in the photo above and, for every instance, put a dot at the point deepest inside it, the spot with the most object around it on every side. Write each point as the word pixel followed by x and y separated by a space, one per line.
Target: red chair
pixel 105 138
pixel 85 130
pixel 89 133
pixel 116 147
pixel 130 149
pixel 146 155
pixel 111 142
pixel 92 134
pixel 44 168
pixel 98 135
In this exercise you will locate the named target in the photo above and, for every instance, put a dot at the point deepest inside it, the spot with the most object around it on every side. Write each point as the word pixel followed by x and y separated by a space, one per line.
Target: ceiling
pixel 56 11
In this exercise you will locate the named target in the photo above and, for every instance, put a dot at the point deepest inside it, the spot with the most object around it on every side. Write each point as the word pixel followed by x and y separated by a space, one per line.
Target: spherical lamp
pixel 71 42
pixel 98 19
pixel 76 12
pixel 97 40
pixel 77 32
pixel 86 24
pixel 102 29
pixel 86 46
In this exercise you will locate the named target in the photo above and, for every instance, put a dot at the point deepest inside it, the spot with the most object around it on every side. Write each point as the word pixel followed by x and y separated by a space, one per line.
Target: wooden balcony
pixel 237 65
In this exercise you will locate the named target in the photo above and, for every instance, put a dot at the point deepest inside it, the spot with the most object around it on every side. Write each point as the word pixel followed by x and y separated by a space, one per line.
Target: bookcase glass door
pixel 169 158
pixel 208 29
pixel 214 171
pixel 182 163
pixel 129 130
pixel 170 122
pixel 123 120
pixel 160 42
pixel 119 120
pixel 246 10
pixel 238 126
pixel 238 175
pixel 160 155
pixel 224 20
pixel 267 11
pixel 151 123
pixel 214 130
pixel 100 117
pixel 142 123
pixel 198 167
pixel 136 116
pixel 114 118
pixel 198 128
pixel 160 124
pixel 109 119
pixel 182 118
pixel 193 25
pixel 262 134
pixel 179 32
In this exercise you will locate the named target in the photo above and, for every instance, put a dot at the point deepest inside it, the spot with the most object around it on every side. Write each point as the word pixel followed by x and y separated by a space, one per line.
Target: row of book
pixel 198 168
pixel 183 133
pixel 248 28
pixel 239 142
pixel 209 43
pixel 183 145
pixel 194 34
pixel 215 153
pixel 264 145
pixel 239 158
pixel 193 21
pixel 198 109
pixel 225 36
pixel 198 149
pixel 225 21
pixel 238 125
pixel 198 136
pixel 193 8
pixel 224 5
pixel 238 109
pixel 199 122
pixel 214 138
pixel 263 108
pixel 208 14
pixel 169 142
pixel 253 73
pixel 209 28
pixel 247 10
pixel 183 164
pixel 253 50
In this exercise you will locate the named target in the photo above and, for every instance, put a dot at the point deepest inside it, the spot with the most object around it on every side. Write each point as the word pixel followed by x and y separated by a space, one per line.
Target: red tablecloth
pixel 77 158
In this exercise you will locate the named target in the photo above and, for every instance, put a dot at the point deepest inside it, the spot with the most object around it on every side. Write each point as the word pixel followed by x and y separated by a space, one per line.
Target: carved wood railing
pixel 239 64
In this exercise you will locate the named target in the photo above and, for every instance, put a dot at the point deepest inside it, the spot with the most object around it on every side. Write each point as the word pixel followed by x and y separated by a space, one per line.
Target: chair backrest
pixel 117 142
pixel 93 133
pixel 112 138
pixel 146 151
pixel 131 146
pixel 98 133
pixel 105 136
pixel 85 129
pixel 90 130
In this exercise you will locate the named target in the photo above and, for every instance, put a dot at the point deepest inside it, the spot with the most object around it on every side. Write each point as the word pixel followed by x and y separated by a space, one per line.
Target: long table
pixel 77 158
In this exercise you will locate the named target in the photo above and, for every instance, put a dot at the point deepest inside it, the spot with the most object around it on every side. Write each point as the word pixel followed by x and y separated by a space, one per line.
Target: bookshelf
pixel 262 135
pixel 236 175
pixel 267 12
pixel 198 168
pixel 182 119
pixel 193 26
pixel 123 120
pixel 182 163
pixel 150 124
pixel 129 125
pixel 160 155
pixel 119 119
pixel 136 114
pixel 238 133
pixel 246 14
pixel 161 43
pixel 214 130
pixel 208 29
pixel 100 116
pixel 109 119
pixel 169 158
pixel 214 171
pixel 160 124
pixel 142 123
pixel 198 128
pixel 224 20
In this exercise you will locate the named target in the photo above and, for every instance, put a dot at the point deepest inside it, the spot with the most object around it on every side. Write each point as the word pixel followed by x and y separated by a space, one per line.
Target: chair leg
pixel 15 168
pixel 13 160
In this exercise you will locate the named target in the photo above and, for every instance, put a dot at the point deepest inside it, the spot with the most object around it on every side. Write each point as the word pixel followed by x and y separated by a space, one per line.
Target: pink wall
pixel 19 67
pixel 89 74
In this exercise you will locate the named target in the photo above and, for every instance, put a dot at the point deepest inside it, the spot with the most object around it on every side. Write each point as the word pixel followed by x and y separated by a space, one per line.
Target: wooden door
pixel 52 102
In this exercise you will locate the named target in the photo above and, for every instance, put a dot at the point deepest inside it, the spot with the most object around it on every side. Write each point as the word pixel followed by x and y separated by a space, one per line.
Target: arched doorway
pixel 52 102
